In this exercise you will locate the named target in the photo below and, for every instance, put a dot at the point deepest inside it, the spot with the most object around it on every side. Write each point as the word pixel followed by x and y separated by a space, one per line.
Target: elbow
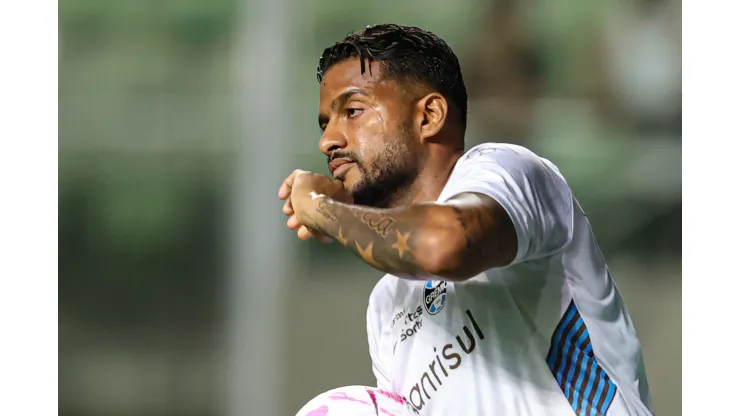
pixel 442 254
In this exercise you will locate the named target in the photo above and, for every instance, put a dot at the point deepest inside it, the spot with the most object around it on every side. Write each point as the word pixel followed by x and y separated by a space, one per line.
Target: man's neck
pixel 429 182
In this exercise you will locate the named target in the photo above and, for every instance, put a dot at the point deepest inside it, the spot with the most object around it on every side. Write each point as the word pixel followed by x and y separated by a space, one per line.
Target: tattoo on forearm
pixel 381 224
pixel 402 243
pixel 324 208
pixel 406 240
pixel 373 236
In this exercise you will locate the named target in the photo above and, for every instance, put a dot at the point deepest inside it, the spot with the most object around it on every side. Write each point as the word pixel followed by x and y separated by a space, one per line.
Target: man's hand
pixel 303 192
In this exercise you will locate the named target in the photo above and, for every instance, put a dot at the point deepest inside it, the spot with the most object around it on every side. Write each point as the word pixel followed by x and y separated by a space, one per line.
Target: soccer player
pixel 497 299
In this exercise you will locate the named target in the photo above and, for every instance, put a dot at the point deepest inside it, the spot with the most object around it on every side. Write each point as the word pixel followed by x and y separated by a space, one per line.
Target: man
pixel 497 300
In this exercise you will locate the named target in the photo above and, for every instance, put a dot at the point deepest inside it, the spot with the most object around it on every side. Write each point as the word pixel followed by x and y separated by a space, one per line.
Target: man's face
pixel 368 132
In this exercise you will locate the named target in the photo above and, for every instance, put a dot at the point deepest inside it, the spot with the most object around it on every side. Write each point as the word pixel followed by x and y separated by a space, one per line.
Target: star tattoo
pixel 401 243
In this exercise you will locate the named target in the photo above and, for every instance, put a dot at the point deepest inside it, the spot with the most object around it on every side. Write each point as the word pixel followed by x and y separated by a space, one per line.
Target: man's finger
pixel 293 223
pixel 303 233
pixel 288 208
pixel 287 184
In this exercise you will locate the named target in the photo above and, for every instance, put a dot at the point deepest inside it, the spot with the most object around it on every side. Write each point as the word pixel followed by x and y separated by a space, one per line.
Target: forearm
pixel 409 241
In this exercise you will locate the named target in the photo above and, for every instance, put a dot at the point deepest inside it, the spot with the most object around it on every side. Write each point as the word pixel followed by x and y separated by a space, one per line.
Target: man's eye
pixel 354 112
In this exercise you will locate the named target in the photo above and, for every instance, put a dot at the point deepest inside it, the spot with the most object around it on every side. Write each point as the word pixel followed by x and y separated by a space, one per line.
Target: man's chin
pixel 353 184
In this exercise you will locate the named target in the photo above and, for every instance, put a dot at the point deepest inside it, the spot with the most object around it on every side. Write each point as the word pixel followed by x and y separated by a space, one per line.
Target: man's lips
pixel 339 167
pixel 342 170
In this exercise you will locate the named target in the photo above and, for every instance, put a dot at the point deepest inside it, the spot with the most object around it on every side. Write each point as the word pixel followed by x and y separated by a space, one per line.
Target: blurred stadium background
pixel 181 291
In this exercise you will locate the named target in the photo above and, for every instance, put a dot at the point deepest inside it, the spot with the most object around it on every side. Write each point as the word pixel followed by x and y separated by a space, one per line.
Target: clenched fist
pixel 302 192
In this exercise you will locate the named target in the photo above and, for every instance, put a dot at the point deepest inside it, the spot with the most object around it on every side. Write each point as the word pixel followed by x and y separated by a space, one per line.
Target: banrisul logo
pixel 435 295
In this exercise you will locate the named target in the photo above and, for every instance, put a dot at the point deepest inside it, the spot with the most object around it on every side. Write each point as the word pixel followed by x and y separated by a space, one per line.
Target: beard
pixel 388 175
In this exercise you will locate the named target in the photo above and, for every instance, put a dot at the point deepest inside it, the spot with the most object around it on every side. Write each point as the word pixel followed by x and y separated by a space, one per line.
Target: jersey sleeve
pixel 375 315
pixel 530 189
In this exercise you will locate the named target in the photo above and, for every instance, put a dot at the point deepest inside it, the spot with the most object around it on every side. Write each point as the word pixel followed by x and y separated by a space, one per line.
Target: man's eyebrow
pixel 345 96
pixel 340 101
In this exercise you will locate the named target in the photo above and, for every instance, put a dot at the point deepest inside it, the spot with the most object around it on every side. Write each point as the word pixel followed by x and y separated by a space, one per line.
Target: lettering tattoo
pixel 377 222
pixel 324 209
pixel 384 240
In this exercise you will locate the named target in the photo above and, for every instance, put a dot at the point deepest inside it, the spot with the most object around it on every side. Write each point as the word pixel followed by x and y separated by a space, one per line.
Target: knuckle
pixel 299 173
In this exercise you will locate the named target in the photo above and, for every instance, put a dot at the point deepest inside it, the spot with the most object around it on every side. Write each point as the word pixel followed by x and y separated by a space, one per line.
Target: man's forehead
pixel 348 74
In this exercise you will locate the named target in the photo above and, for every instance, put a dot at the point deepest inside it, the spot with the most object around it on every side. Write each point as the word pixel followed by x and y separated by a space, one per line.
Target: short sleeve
pixel 530 189
pixel 375 320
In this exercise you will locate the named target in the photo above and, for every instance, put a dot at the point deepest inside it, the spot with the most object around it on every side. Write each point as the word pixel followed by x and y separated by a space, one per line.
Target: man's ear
pixel 431 111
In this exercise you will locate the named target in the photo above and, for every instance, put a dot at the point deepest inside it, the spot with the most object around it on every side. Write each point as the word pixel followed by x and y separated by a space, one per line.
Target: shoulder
pixel 503 153
pixel 498 149
pixel 511 161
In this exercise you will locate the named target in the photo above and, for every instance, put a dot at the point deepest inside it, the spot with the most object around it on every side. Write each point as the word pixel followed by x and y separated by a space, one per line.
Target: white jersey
pixel 547 335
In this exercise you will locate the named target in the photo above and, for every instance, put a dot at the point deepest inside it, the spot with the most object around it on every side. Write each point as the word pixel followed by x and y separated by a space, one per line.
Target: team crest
pixel 435 295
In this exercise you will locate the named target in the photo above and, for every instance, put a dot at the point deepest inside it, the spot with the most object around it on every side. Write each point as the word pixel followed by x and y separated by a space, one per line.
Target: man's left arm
pixel 455 240
pixel 508 206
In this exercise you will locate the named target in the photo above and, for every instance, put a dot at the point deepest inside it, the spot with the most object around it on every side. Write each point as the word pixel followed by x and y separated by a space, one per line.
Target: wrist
pixel 322 215
pixel 307 208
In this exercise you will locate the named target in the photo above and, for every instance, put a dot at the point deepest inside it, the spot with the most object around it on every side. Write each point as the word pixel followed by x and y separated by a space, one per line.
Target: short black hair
pixel 404 52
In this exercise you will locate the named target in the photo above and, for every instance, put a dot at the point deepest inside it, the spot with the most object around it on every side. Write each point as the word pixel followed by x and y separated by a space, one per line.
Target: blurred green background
pixel 181 291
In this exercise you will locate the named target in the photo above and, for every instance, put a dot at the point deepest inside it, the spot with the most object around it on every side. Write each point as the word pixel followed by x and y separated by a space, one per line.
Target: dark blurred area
pixel 157 122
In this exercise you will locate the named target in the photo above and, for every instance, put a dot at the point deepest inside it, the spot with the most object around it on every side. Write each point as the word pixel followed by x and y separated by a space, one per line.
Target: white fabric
pixel 481 347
